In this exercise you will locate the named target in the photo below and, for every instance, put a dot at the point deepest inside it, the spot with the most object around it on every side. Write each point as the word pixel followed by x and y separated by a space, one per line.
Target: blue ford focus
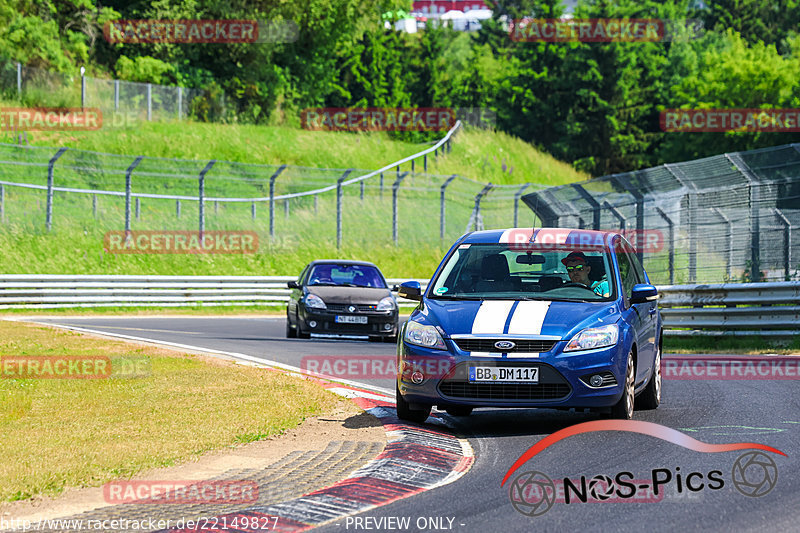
pixel 524 317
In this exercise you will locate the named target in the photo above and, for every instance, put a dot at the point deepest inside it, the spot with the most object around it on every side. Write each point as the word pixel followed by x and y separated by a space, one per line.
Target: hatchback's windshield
pixel 544 273
pixel 346 275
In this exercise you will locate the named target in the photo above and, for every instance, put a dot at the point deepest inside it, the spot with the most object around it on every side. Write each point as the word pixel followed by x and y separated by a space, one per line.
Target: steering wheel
pixel 581 285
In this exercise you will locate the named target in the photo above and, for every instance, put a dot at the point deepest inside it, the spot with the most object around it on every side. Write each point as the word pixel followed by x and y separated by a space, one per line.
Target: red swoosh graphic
pixel 635 426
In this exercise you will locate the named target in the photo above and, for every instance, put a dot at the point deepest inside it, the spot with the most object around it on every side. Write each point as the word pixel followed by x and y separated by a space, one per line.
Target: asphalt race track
pixel 711 411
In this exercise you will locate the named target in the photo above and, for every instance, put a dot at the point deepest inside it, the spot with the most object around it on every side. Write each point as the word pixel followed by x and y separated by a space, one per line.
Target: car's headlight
pixel 427 336
pixel 591 338
pixel 315 302
pixel 386 304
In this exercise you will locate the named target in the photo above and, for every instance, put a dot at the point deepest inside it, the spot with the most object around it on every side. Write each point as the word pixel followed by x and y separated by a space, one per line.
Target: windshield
pixel 346 275
pixel 498 271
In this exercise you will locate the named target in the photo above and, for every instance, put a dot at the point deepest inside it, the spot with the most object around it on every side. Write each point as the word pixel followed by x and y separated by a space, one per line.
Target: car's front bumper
pixel 379 323
pixel 445 378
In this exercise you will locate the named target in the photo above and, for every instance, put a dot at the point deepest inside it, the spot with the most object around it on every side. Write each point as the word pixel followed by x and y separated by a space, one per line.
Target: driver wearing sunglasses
pixel 578 271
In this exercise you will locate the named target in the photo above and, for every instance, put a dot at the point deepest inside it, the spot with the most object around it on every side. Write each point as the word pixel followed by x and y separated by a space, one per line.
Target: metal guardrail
pixel 771 309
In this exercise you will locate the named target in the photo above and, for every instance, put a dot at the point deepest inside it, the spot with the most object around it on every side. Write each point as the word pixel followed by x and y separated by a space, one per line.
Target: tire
pixel 650 398
pixel 407 414
pixel 302 334
pixel 459 410
pixel 623 410
pixel 290 332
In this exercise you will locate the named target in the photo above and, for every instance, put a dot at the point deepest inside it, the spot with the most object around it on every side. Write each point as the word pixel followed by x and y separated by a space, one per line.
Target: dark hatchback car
pixel 342 298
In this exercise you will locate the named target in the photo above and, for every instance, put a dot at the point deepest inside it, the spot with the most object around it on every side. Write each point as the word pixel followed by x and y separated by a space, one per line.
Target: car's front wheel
pixel 404 411
pixel 291 333
pixel 650 398
pixel 624 407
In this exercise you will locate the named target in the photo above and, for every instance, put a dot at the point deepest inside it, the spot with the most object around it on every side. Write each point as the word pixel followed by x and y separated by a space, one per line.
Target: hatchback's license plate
pixel 504 374
pixel 346 319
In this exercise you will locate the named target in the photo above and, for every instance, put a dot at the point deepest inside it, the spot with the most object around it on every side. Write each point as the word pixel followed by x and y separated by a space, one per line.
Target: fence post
pixel 216 206
pixel 755 199
pixel 94 206
pixel 425 163
pixel 201 195
pixel 150 102
pixel 339 207
pixel 362 190
pixel 286 209
pixel 177 209
pixel 671 231
pixel 787 243
pixel 381 184
pixel 128 192
pixel 138 207
pixel 617 214
pixel 395 186
pixel 83 87
pixel 441 205
pixel 625 182
pixel 19 79
pixel 253 210
pixel 2 204
pixel 516 202
pixel 272 200
pixel 116 95
pixel 180 102
pixel 49 212
pixel 412 166
pixel 477 210
pixel 315 204
pixel 592 202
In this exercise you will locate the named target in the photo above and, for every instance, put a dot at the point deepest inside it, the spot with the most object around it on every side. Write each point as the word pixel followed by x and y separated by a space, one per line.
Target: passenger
pixel 578 271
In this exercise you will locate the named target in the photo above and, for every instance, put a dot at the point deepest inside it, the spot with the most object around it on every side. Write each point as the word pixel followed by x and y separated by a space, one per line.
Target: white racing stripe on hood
pixel 528 318
pixel 491 316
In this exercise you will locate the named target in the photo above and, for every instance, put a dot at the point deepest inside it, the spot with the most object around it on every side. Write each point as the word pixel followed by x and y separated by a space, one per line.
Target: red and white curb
pixel 416 459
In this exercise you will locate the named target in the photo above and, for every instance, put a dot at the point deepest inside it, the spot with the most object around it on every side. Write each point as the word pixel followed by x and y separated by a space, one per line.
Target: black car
pixel 341 297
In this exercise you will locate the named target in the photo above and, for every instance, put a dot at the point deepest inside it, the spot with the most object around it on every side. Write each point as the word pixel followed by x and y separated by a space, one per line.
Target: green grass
pixel 58 433
pixel 75 245
pixel 726 344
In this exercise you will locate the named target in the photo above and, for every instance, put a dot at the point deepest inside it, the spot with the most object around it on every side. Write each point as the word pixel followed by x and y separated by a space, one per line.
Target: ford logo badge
pixel 504 345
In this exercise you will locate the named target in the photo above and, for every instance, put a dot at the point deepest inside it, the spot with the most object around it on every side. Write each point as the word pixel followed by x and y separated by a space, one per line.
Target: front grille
pixel 504 391
pixel 342 308
pixel 551 386
pixel 522 345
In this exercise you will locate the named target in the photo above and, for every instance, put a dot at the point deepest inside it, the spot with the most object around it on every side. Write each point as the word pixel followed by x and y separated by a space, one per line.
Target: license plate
pixel 503 374
pixel 347 319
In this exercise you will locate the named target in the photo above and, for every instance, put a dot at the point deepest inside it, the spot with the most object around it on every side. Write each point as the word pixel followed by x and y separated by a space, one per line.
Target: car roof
pixel 567 236
pixel 341 262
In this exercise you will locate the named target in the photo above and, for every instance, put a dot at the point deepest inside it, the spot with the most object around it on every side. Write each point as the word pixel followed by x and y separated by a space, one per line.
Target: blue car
pixel 524 317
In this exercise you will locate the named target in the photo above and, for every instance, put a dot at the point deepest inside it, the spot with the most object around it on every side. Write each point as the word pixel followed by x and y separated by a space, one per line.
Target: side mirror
pixel 643 293
pixel 410 290
pixel 293 285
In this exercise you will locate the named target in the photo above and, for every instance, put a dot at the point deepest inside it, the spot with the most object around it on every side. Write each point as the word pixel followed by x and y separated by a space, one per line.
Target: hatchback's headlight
pixel 315 302
pixel 386 304
pixel 591 338
pixel 427 336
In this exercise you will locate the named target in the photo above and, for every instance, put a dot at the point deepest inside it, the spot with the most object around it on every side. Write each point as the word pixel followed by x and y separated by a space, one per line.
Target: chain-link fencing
pixel 731 217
